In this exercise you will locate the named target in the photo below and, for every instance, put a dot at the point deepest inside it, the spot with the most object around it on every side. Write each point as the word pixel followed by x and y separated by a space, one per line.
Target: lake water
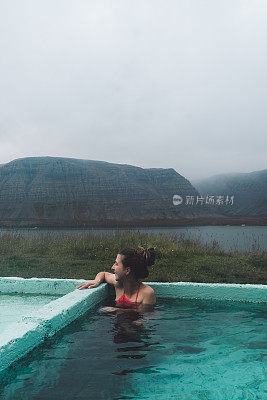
pixel 229 238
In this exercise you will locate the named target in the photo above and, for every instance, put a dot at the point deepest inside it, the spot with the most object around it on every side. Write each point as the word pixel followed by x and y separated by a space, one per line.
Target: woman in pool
pixel 130 267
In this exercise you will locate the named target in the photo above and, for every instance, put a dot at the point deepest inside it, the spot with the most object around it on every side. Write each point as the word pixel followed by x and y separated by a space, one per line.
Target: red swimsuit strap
pixel 136 294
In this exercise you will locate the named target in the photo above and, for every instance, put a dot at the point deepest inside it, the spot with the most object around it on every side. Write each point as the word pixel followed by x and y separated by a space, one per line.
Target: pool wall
pixel 38 285
pixel 24 336
pixel 215 291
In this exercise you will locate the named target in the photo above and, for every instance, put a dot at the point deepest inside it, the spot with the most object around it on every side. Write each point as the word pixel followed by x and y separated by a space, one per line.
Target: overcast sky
pixel 154 83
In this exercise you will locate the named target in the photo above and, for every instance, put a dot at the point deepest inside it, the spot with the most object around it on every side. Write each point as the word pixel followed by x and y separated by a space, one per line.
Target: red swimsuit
pixel 124 302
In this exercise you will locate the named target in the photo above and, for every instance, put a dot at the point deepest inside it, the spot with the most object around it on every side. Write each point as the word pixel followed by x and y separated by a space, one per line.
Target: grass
pixel 84 255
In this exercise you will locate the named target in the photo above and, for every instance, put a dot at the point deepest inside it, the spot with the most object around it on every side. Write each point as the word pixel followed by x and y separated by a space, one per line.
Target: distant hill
pixel 53 191
pixel 249 190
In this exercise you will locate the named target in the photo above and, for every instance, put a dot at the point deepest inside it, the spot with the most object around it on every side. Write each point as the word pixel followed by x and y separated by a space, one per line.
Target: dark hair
pixel 138 260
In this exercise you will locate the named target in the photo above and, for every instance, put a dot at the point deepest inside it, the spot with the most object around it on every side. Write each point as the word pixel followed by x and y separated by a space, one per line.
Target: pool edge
pixel 32 329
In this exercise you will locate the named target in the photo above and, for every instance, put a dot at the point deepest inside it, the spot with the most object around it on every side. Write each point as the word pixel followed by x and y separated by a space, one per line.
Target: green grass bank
pixel 84 255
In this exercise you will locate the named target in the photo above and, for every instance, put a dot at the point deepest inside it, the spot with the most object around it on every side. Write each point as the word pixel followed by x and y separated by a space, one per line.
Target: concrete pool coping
pixel 33 328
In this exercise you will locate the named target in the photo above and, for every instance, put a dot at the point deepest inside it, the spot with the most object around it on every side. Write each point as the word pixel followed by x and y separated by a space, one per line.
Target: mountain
pixel 249 191
pixel 53 191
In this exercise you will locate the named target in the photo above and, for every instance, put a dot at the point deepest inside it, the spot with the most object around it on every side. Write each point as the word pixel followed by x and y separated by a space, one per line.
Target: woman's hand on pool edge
pixel 88 285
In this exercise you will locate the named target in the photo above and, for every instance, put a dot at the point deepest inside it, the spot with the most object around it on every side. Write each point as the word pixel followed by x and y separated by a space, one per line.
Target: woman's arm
pixel 100 277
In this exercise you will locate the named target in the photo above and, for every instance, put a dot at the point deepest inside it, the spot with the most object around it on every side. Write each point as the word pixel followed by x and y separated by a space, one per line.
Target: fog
pixel 172 84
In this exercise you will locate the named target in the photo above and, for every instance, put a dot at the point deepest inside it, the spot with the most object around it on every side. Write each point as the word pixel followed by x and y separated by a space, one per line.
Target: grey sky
pixel 171 83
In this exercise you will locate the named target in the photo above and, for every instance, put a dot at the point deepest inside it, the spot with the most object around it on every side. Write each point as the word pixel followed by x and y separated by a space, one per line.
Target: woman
pixel 130 267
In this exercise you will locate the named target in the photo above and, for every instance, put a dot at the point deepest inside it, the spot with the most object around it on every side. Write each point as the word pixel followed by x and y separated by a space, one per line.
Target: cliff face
pixel 249 190
pixel 65 191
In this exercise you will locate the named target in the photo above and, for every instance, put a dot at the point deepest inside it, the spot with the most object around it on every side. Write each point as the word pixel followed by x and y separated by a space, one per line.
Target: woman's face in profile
pixel 118 268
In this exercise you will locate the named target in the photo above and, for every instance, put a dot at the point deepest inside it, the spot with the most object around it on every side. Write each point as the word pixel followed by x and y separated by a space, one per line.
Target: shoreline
pixel 181 222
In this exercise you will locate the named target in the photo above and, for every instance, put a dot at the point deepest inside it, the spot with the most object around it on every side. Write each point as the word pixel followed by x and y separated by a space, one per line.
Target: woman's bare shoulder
pixel 147 288
pixel 149 294
pixel 148 298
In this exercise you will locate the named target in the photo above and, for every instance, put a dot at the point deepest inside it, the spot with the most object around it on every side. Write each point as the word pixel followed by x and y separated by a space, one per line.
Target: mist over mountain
pixel 249 190
pixel 57 191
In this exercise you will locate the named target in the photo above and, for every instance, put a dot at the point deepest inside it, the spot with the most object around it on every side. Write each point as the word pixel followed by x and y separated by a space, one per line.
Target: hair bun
pixel 149 255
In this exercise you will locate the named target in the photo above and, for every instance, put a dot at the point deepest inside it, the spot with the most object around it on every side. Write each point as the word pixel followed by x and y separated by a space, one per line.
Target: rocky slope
pixel 45 191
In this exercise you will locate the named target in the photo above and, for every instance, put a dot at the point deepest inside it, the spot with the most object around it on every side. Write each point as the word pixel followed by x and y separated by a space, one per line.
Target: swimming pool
pixel 186 349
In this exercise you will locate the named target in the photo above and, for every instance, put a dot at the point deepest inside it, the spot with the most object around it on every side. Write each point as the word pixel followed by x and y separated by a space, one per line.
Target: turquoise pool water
pixel 186 350
pixel 14 306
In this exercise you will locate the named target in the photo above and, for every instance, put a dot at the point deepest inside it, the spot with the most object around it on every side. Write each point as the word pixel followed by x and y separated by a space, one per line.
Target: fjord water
pixel 229 238
pixel 186 350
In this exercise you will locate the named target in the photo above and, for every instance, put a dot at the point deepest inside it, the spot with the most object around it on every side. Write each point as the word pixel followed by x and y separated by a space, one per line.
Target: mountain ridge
pixel 62 191
pixel 54 190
